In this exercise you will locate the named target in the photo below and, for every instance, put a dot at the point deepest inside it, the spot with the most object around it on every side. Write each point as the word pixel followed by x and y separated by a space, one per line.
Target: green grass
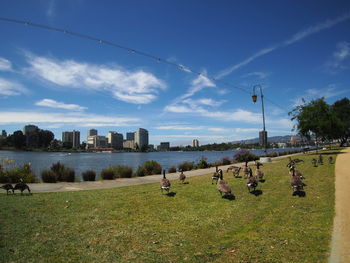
pixel 138 224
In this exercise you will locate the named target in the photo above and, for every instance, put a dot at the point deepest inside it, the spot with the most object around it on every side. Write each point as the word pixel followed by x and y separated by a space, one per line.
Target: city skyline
pixel 63 83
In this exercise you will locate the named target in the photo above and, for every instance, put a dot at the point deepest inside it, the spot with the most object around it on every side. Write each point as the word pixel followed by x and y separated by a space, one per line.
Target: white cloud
pixel 59 105
pixel 295 38
pixel 330 91
pixel 137 87
pixel 203 102
pixel 197 85
pixel 78 119
pixel 5 65
pixel 340 56
pixel 10 88
pixel 260 75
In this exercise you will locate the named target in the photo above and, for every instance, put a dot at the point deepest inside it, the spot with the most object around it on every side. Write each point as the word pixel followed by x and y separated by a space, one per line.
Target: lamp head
pixel 254 97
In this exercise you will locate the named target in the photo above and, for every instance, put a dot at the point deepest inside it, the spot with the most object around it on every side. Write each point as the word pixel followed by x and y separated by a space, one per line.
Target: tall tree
pixel 341 109
pixel 17 139
pixel 314 119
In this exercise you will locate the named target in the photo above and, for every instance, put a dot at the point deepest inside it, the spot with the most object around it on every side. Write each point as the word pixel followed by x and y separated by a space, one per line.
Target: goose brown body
pixel 223 186
pixel 165 183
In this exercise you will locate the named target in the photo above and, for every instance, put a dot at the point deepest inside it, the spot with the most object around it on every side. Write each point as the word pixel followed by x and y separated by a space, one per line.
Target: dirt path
pixel 340 246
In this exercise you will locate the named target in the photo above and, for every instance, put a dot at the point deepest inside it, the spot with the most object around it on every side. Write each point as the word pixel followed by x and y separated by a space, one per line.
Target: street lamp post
pixel 254 98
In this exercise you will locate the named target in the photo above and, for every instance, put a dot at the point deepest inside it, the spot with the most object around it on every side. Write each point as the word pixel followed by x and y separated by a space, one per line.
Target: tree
pixel 45 138
pixel 341 109
pixel 17 139
pixel 315 119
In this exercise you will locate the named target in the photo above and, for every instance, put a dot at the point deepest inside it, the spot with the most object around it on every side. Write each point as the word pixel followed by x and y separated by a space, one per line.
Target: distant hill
pixel 274 139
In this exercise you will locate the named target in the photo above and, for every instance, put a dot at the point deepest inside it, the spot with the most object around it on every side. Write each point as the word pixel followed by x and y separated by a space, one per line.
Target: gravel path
pixel 340 246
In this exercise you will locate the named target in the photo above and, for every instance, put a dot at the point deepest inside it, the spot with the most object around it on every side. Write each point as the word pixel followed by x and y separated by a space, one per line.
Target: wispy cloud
pixel 59 105
pixel 258 74
pixel 77 119
pixel 5 65
pixel 332 90
pixel 50 9
pixel 138 87
pixel 295 38
pixel 11 88
pixel 339 58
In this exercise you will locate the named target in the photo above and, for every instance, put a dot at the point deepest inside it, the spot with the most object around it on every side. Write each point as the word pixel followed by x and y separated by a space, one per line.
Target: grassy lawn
pixel 138 224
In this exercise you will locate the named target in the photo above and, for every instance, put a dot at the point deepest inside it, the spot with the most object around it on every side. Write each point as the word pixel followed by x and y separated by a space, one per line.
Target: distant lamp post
pixel 254 98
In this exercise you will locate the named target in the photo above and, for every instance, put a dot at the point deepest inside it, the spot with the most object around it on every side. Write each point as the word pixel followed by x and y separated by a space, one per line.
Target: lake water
pixel 81 162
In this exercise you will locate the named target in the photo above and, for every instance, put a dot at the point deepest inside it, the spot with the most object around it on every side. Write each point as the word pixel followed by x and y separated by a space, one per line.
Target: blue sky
pixel 60 82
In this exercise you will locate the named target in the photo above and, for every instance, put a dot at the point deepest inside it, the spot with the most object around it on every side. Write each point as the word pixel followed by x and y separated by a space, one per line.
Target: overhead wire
pixel 131 50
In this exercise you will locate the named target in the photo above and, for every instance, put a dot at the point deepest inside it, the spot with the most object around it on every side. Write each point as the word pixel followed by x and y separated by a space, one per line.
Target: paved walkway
pixel 340 246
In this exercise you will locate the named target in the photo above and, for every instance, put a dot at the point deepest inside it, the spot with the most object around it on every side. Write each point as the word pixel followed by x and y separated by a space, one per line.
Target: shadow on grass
pixel 256 192
pixel 262 180
pixel 185 183
pixel 229 197
pixel 238 176
pixel 299 193
pixel 171 194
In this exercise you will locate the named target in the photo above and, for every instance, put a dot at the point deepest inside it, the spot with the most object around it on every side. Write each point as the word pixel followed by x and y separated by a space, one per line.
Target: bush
pixel 245 156
pixel 68 175
pixel 89 175
pixel 122 171
pixel 107 174
pixel 62 173
pixel 48 176
pixel 225 161
pixel 186 166
pixel 172 169
pixel 15 175
pixel 149 168
pixel 202 163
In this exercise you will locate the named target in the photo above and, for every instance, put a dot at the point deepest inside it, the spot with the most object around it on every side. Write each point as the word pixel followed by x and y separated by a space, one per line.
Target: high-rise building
pixel 129 144
pixel 76 139
pixel 141 138
pixel 195 143
pixel 67 136
pixel 130 136
pixel 115 140
pixel 91 132
pixel 3 134
pixel 263 138
pixel 32 137
pixel 97 141
pixel 164 146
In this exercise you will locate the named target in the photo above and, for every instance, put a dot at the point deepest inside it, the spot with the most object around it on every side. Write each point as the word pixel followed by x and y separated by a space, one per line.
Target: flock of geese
pixel 252 181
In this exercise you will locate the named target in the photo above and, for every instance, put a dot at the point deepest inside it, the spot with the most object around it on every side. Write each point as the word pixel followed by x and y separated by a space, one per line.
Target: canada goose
pixel 8 188
pixel 215 176
pixel 330 160
pixel 296 182
pixel 21 186
pixel 258 173
pixel 320 159
pixel 182 177
pixel 164 183
pixel 236 171
pixel 223 186
pixel 246 170
pixel 292 172
pixel 314 162
pixel 295 161
pixel 252 183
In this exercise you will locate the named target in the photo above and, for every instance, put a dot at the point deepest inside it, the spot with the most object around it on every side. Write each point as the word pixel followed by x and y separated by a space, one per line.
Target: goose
pixel 215 176
pixel 182 177
pixel 292 172
pixel 21 186
pixel 252 183
pixel 258 173
pixel 8 188
pixel 320 159
pixel 236 171
pixel 314 162
pixel 223 186
pixel 330 160
pixel 246 170
pixel 296 182
pixel 164 183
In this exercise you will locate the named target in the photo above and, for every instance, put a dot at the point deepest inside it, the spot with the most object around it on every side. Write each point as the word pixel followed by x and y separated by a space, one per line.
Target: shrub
pixel 15 175
pixel 172 169
pixel 68 175
pixel 107 174
pixel 245 156
pixel 202 163
pixel 48 176
pixel 62 173
pixel 149 168
pixel 89 175
pixel 122 171
pixel 186 166
pixel 225 161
